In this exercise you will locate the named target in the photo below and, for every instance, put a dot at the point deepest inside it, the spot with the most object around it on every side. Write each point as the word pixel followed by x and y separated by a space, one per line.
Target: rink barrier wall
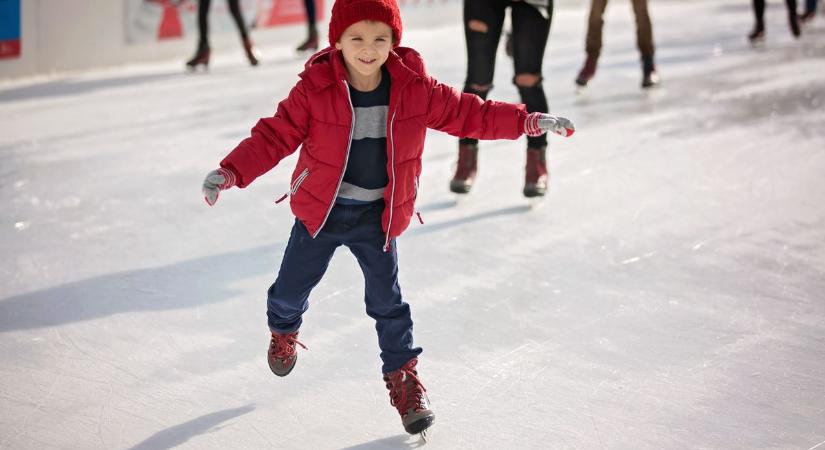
pixel 74 35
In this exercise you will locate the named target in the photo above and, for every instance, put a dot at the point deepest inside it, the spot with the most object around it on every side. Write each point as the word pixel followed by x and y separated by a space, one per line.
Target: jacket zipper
pixel 295 184
pixel 415 199
pixel 346 159
pixel 300 179
pixel 392 193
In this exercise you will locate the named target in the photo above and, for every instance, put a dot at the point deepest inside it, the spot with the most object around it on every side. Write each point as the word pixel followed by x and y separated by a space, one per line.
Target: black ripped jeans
pixel 530 32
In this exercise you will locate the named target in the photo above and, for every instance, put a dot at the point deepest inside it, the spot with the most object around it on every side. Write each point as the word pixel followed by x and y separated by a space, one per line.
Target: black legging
pixel 203 20
pixel 309 5
pixel 759 10
pixel 530 32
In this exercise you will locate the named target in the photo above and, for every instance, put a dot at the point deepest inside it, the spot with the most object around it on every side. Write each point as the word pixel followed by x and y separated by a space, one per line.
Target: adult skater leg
pixel 593 42
pixel 758 32
pixel 252 53
pixel 530 32
pixel 483 23
pixel 201 57
pixel 644 41
pixel 311 43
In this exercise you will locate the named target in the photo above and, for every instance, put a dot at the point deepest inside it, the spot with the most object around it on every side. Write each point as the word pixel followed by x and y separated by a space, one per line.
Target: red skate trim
pixel 282 346
pixel 229 178
pixel 531 125
pixel 402 398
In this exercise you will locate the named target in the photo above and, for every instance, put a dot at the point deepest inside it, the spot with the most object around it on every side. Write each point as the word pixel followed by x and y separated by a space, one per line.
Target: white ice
pixel 668 292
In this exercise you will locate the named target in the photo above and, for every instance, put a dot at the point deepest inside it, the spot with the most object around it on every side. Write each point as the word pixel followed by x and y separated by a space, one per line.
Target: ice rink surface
pixel 669 292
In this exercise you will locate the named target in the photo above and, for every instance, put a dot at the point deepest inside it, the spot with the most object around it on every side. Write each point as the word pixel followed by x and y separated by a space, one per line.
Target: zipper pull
pixel 283 197
pixel 418 214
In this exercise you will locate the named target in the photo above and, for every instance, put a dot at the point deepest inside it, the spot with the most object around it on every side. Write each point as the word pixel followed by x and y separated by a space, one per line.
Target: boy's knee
pixel 526 80
pixel 477 25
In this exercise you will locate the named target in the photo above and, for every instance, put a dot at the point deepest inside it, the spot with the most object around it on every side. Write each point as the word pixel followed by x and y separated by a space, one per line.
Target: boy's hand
pixel 215 182
pixel 540 123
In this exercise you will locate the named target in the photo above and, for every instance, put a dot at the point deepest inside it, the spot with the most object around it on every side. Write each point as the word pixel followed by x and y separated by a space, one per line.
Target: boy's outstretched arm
pixel 271 140
pixel 463 114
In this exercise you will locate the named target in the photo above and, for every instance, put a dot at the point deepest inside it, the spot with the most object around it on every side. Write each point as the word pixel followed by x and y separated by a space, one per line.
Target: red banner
pixel 10 49
pixel 286 11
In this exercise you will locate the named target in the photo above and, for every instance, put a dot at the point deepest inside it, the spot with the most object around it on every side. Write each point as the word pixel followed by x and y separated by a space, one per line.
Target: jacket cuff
pixel 522 118
pixel 236 177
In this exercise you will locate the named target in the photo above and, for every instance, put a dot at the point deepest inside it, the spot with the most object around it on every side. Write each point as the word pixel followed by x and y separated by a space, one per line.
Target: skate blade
pixel 758 43
pixel 202 68
pixel 534 203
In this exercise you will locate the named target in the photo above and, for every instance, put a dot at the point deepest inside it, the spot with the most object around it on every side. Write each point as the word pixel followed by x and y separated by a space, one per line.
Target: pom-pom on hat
pixel 348 12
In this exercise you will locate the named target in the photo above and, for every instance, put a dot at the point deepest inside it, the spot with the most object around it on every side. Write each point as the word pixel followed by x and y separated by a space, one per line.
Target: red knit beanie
pixel 348 12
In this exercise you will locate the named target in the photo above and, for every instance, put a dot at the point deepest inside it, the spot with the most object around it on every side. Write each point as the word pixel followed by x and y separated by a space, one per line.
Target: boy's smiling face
pixel 366 46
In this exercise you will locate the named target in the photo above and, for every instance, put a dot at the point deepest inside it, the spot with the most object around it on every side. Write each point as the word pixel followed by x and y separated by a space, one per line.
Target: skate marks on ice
pixel 179 434
pixel 461 200
pixel 401 441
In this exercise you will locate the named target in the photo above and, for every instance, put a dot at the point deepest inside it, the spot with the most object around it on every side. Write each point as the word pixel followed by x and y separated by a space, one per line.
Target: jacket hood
pixel 327 66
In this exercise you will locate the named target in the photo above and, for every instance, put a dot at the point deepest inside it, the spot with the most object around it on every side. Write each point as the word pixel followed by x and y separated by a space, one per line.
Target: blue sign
pixel 9 28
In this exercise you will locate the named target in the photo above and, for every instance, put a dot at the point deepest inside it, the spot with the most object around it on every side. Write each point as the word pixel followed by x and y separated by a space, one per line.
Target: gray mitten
pixel 215 182
pixel 537 124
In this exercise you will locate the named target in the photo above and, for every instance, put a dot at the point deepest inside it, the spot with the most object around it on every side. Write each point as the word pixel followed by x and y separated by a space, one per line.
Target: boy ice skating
pixel 360 113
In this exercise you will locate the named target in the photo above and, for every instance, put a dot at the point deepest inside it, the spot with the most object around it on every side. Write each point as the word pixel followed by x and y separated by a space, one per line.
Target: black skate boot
pixel 649 76
pixel 588 71
pixel 535 172
pixel 466 169
pixel 252 52
pixel 408 396
pixel 758 34
pixel 282 355
pixel 201 58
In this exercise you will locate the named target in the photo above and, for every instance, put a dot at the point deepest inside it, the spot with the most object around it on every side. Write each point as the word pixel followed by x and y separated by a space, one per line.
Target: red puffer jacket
pixel 318 113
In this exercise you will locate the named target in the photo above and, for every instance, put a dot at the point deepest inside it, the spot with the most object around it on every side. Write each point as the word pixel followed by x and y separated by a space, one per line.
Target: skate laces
pixel 282 346
pixel 406 390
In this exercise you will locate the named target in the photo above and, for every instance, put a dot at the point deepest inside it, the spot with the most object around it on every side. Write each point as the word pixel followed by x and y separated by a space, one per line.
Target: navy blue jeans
pixel 358 227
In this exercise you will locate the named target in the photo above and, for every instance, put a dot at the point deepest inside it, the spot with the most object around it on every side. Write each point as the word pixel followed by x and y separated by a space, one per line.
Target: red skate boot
pixel 465 171
pixel 535 172
pixel 311 44
pixel 408 396
pixel 588 71
pixel 282 355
